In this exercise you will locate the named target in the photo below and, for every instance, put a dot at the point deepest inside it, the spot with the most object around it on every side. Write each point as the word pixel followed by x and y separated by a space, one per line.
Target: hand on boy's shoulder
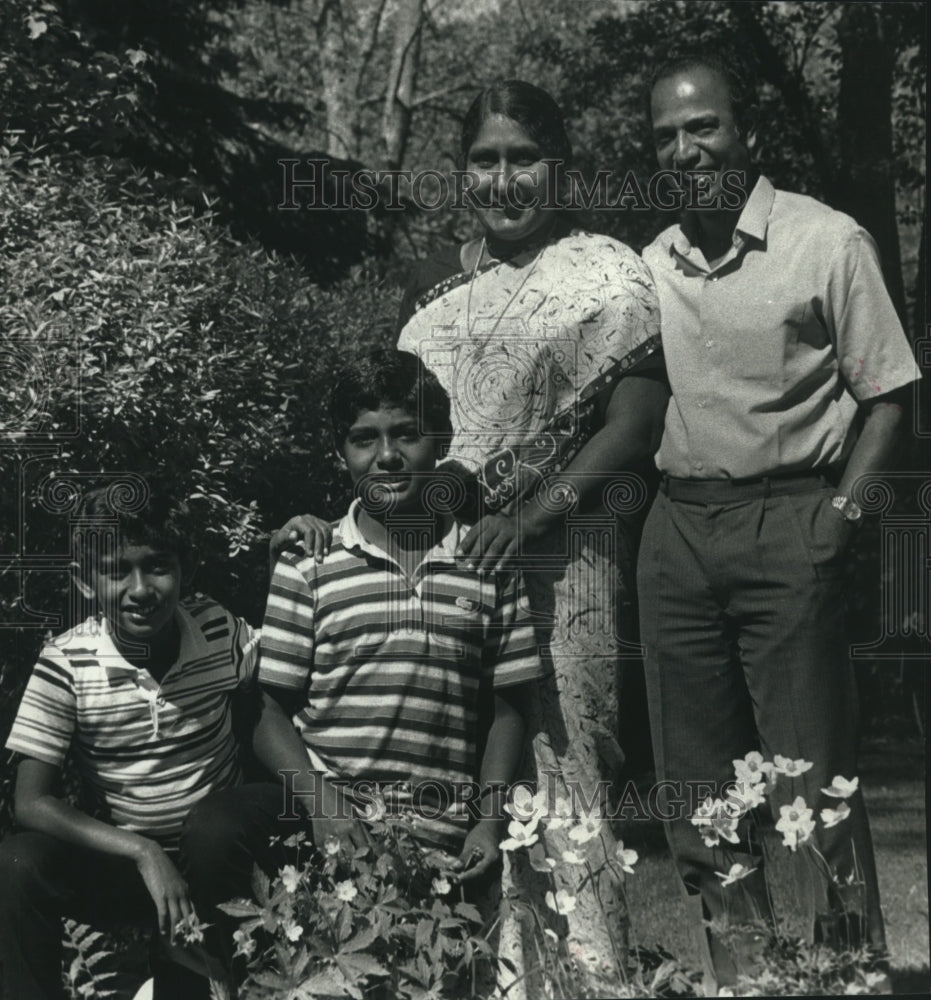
pixel 309 561
pixel 306 532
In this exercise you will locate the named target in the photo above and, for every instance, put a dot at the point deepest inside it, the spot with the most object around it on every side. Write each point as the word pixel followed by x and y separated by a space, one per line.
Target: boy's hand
pixel 479 852
pixel 167 888
pixel 333 817
pixel 313 531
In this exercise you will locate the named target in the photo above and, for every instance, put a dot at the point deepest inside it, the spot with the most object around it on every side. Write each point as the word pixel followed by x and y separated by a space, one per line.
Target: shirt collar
pixel 753 221
pixel 351 534
pixel 117 666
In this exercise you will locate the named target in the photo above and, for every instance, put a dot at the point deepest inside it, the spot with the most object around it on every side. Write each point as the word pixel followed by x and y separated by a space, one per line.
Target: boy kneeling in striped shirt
pixel 142 693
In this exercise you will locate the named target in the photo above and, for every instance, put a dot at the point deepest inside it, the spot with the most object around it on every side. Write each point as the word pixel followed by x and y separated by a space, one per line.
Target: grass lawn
pixel 892 774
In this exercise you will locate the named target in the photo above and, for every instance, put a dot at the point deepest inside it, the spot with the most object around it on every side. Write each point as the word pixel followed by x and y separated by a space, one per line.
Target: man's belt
pixel 735 490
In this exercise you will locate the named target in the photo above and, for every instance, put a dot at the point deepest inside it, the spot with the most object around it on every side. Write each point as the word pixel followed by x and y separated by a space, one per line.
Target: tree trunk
pixel 336 60
pixel 402 78
pixel 865 180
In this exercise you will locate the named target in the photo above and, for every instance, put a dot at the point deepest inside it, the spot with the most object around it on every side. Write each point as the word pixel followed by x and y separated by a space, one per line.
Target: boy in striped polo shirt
pixel 142 694
pixel 391 657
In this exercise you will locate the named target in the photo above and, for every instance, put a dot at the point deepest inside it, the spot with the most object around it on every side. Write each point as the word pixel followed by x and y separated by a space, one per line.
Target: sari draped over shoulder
pixel 527 350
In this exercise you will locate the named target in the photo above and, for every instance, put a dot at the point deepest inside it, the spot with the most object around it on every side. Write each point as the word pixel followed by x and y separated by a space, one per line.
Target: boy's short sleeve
pixel 245 652
pixel 511 653
pixel 286 649
pixel 45 722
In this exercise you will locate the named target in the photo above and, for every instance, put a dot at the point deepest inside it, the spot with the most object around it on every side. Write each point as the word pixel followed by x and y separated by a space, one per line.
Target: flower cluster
pixel 343 921
pixel 717 819
pixel 531 814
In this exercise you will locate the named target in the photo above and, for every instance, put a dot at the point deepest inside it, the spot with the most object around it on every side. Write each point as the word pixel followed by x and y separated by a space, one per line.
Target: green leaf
pixel 240 908
pixel 360 964
pixel 325 982
pixel 363 939
pixel 469 911
pixel 272 980
pixel 424 935
pixel 344 927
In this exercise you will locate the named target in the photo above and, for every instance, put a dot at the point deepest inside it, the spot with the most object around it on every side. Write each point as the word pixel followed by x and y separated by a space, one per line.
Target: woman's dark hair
pixel 388 378
pixel 531 107
pixel 729 64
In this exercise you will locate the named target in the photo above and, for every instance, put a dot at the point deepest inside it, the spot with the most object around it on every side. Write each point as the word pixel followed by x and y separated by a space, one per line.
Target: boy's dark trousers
pixel 44 880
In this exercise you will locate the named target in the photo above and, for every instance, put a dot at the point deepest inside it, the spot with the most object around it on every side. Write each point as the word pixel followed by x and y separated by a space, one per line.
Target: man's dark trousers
pixel 742 620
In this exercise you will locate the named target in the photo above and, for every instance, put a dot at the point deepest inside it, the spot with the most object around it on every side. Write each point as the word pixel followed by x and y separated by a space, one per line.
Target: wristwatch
pixel 848 508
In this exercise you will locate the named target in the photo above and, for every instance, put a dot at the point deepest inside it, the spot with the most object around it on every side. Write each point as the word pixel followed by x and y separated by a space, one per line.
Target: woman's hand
pixel 315 533
pixel 492 544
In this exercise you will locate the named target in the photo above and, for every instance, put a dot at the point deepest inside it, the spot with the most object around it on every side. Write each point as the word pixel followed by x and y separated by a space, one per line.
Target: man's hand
pixel 480 851
pixel 332 817
pixel 313 531
pixel 167 888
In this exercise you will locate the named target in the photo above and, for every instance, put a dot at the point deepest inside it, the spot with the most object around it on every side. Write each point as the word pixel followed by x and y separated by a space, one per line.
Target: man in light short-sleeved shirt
pixel 778 333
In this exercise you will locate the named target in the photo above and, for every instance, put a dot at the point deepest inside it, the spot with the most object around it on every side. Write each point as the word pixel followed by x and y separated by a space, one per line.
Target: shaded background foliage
pixel 191 327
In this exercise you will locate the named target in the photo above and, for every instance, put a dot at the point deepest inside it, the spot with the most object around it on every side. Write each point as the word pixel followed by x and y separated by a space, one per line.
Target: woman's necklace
pixel 481 345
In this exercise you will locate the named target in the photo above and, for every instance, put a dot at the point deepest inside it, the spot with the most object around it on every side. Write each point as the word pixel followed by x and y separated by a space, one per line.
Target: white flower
pixel 716 819
pixel 710 836
pixel 743 796
pixel 296 839
pixel 519 835
pixel 793 768
pixel 831 817
pixel 441 887
pixel 752 770
pixel 795 823
pixel 703 814
pixel 572 858
pixel 375 809
pixel 244 943
pixel 527 807
pixel 561 815
pixel 293 930
pixel 724 820
pixel 191 929
pixel 587 829
pixel 841 788
pixel 346 891
pixel 734 874
pixel 290 878
pixel 551 936
pixel 626 858
pixel 562 902
pixel 331 845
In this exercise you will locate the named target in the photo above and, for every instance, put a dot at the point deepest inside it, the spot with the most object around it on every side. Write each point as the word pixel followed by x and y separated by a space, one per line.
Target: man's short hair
pixel 389 378
pixel 722 59
pixel 152 517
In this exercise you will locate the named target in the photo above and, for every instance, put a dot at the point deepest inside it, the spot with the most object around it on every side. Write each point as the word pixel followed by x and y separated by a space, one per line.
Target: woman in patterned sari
pixel 547 340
